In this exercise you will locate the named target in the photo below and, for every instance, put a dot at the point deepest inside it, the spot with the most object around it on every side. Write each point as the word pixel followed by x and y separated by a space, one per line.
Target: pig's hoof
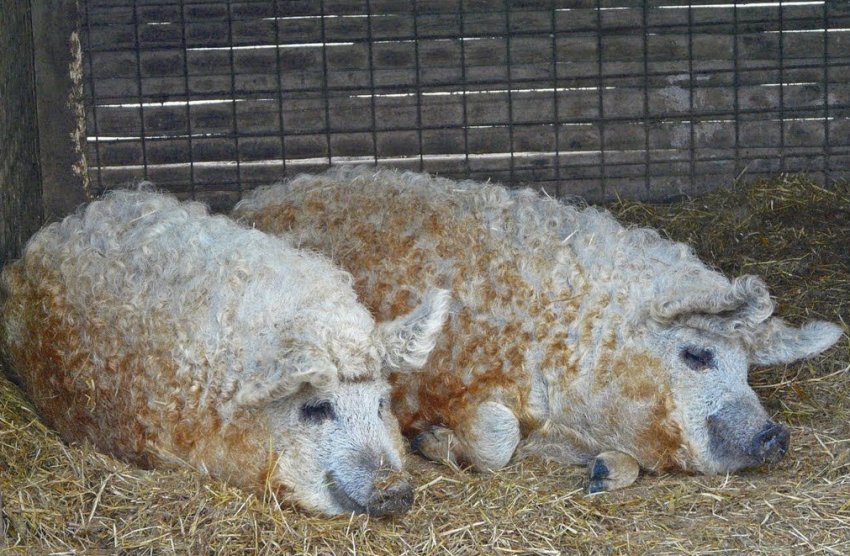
pixel 610 471
pixel 598 474
pixel 435 444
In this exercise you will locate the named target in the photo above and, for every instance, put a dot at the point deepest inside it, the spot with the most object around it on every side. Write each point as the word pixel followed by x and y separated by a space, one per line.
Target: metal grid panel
pixel 593 97
pixel 20 185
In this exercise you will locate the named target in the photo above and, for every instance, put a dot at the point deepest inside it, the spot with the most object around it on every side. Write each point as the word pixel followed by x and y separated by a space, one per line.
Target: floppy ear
pixel 775 342
pixel 278 379
pixel 407 341
pixel 744 304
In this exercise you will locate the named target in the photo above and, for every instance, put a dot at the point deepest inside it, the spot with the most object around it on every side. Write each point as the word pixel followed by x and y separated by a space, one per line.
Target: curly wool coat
pixel 561 314
pixel 163 335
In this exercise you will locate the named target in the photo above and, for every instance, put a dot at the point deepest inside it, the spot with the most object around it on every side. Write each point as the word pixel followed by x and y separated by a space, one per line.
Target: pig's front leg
pixel 611 470
pixel 487 442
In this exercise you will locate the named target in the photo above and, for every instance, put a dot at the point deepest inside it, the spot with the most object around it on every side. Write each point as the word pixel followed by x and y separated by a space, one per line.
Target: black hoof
pixel 598 474
pixel 599 471
pixel 596 485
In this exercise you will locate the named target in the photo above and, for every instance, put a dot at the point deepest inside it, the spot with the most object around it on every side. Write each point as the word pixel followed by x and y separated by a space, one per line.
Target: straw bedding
pixel 70 499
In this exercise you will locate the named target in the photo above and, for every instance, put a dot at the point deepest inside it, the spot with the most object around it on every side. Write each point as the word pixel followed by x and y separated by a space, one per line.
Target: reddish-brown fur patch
pixel 473 360
pixel 637 376
pixel 662 439
pixel 55 372
pixel 133 406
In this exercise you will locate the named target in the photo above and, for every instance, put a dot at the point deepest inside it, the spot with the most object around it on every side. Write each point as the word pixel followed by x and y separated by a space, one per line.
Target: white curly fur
pixel 174 336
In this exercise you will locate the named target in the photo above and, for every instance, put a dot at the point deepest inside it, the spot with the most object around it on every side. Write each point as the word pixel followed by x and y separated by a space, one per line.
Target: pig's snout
pixel 741 435
pixel 392 495
pixel 387 493
pixel 771 443
pixel 396 499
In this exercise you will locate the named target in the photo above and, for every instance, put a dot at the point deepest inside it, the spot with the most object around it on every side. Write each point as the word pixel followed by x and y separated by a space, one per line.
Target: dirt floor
pixel 67 499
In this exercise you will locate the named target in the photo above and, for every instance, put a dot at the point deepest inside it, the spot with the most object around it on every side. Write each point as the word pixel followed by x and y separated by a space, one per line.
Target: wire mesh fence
pixel 20 193
pixel 598 98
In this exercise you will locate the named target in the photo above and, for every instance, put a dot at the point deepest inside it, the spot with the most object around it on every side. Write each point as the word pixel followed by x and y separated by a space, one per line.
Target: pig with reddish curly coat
pixel 166 336
pixel 571 336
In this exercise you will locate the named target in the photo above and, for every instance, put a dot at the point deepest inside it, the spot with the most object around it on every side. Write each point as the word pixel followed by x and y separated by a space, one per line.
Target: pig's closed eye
pixel 698 359
pixel 316 412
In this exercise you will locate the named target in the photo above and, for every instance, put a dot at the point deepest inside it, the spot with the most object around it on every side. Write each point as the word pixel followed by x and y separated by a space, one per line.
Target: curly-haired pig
pixel 167 336
pixel 571 336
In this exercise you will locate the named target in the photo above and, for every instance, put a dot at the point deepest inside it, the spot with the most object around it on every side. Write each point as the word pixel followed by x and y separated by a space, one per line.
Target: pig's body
pixel 164 335
pixel 571 336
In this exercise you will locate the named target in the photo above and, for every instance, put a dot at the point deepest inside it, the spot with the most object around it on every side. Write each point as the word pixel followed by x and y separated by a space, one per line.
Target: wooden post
pixel 61 115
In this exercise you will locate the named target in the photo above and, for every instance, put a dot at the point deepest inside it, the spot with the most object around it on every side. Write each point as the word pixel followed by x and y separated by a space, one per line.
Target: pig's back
pixel 399 233
pixel 131 323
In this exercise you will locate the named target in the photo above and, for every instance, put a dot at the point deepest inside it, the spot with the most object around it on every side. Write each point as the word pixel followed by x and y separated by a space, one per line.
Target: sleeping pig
pixel 166 336
pixel 571 336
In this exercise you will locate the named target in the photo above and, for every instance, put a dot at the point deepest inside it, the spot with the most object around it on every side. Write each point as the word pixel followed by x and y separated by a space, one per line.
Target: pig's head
pixel 338 445
pixel 706 342
pixel 672 391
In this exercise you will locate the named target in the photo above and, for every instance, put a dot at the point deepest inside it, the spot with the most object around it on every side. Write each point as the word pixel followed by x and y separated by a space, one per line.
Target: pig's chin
pixel 705 459
pixel 340 497
pixel 729 463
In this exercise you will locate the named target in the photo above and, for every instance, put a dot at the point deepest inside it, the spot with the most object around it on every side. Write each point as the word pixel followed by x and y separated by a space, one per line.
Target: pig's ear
pixel 406 341
pixel 278 379
pixel 743 305
pixel 775 342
